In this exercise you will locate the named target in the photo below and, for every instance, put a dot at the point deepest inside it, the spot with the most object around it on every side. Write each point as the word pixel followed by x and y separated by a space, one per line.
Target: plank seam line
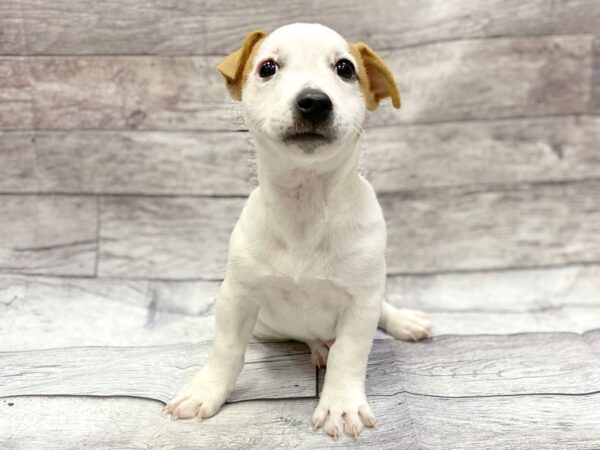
pixel 528 394
pixel 375 126
pixel 479 188
pixel 310 397
pixel 520 333
pixel 139 397
pixel 7 271
pixel 53 247
pixel 425 43
pixel 412 421
pixel 574 114
pixel 542 309
pixel 515 268
pixel 300 353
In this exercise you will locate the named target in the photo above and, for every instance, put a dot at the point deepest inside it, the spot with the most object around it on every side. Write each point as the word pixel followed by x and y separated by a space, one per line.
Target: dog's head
pixel 305 88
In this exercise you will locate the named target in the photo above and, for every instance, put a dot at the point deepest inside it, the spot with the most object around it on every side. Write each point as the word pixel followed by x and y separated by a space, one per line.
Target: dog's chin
pixel 310 142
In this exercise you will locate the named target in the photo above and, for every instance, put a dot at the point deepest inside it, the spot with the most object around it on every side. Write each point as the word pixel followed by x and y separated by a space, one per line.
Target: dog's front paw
pixel 200 398
pixel 343 413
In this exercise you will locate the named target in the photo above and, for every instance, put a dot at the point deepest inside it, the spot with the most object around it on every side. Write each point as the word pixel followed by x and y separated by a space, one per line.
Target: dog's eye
pixel 268 69
pixel 344 69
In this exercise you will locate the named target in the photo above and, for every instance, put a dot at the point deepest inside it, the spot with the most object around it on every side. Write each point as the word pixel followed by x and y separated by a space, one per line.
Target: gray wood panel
pixel 44 312
pixel 274 370
pixel 593 339
pixel 17 163
pixel 575 319
pixel 48 234
pixel 212 27
pixel 548 422
pixel 511 291
pixel 595 106
pixel 429 231
pixel 405 421
pixel 484 365
pixel 137 423
pixel 12 27
pixel 471 229
pixel 481 79
pixel 452 366
pixel 210 163
pixel 207 163
pixel 16 97
pixel 496 152
pixel 490 78
pixel 166 237
pixel 129 92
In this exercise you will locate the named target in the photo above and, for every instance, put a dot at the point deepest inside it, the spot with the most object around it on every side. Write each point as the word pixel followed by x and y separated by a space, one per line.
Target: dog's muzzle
pixel 312 127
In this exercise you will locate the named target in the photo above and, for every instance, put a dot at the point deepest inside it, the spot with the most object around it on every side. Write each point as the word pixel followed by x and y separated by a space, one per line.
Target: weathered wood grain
pixel 274 370
pixel 574 319
pixel 405 421
pixel 595 105
pixel 166 237
pixel 48 234
pixel 130 92
pixel 207 163
pixel 16 97
pixel 137 423
pixel 71 27
pixel 593 339
pixel 549 422
pixel 482 79
pixel 17 163
pixel 443 366
pixel 471 229
pixel 484 365
pixel 487 79
pixel 429 231
pixel 469 153
pixel 12 28
pixel 44 312
pixel 210 163
pixel 535 290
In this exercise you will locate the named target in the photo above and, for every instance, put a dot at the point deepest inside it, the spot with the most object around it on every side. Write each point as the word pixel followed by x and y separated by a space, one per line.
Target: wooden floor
pixel 514 362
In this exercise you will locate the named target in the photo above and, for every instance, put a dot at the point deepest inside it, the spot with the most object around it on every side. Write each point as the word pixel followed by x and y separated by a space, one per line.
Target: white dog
pixel 306 258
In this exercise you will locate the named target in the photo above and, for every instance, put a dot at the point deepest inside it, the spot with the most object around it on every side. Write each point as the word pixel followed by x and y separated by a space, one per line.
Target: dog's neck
pixel 302 191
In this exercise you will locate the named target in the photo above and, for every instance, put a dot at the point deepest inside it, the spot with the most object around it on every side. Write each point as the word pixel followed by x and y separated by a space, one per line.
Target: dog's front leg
pixel 206 392
pixel 343 405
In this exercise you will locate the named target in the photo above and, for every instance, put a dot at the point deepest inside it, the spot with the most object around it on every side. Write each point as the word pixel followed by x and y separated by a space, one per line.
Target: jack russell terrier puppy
pixel 306 258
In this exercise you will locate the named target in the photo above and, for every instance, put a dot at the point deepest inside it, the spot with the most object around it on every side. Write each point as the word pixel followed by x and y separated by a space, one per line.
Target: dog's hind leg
pixel 404 324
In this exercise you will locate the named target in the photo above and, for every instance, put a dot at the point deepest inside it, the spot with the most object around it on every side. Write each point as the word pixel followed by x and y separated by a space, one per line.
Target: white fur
pixel 306 258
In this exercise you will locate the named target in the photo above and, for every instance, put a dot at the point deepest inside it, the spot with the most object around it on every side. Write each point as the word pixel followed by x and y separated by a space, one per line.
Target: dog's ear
pixel 375 77
pixel 235 66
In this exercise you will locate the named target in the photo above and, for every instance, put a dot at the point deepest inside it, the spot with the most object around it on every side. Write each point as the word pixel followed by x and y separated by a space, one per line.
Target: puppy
pixel 306 258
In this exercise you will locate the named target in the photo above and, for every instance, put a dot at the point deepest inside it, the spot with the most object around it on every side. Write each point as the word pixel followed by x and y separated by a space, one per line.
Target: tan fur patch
pixel 375 78
pixel 236 66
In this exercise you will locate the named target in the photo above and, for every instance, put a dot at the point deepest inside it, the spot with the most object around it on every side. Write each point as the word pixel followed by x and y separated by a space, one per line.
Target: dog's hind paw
pixel 408 324
pixel 319 352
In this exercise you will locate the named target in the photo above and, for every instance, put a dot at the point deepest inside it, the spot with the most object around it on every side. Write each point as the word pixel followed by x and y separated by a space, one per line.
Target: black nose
pixel 314 105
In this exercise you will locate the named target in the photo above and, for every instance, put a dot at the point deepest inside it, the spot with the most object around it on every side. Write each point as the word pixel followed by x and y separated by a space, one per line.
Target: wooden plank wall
pixel 122 156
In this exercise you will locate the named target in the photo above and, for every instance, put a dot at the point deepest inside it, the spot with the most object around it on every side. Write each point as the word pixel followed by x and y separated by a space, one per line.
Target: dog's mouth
pixel 307 140
pixel 306 136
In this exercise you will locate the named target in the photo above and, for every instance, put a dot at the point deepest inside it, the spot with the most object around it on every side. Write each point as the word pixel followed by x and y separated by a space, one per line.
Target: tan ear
pixel 376 79
pixel 235 67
